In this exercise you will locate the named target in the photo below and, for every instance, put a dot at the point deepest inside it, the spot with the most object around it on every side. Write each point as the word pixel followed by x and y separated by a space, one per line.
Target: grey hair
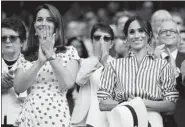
pixel 159 28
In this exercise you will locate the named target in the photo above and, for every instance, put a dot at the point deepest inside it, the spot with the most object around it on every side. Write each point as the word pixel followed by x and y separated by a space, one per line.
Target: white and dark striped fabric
pixel 153 79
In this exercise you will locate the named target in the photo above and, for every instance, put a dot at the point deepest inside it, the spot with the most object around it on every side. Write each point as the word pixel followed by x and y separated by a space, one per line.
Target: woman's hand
pixel 7 82
pixel 47 42
pixel 42 57
pixel 105 52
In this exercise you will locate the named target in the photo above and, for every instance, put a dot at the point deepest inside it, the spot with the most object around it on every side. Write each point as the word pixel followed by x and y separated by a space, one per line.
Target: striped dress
pixel 153 79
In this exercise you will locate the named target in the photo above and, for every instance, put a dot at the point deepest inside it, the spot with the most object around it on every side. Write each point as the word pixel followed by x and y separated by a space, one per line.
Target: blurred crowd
pixel 79 19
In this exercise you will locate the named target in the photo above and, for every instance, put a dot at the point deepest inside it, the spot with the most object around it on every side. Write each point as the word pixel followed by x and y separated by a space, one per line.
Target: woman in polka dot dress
pixel 47 70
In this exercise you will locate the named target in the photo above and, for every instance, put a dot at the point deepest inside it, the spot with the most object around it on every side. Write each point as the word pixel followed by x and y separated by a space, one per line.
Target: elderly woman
pixel 13 36
pixel 140 74
pixel 48 70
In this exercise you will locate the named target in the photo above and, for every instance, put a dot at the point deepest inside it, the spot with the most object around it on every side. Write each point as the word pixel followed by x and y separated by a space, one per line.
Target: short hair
pixel 144 24
pixel 162 15
pixel 16 24
pixel 33 42
pixel 177 28
pixel 84 52
pixel 103 27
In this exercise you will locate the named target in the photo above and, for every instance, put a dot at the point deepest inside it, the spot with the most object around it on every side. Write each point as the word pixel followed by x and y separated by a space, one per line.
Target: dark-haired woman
pixel 47 70
pixel 140 74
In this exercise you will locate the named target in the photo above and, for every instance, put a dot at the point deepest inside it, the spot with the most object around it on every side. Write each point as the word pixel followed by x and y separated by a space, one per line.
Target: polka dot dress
pixel 46 105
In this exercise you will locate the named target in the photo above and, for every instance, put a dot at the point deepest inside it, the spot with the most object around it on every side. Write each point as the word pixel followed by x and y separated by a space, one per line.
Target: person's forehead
pixel 134 25
pixel 44 13
pixel 101 32
pixel 169 25
pixel 8 31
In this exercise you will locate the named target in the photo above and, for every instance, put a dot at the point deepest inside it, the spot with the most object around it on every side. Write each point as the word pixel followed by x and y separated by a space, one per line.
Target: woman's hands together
pixel 46 46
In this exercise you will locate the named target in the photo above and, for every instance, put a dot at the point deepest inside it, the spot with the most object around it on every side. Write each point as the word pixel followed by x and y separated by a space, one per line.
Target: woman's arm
pixel 65 75
pixel 107 105
pixel 23 80
pixel 159 106
pixel 88 66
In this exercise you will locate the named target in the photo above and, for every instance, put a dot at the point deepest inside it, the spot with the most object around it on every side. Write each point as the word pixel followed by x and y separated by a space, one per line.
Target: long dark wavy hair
pixel 31 51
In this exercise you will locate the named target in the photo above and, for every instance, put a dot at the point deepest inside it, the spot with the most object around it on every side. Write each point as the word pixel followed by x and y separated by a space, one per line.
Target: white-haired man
pixel 168 37
pixel 157 18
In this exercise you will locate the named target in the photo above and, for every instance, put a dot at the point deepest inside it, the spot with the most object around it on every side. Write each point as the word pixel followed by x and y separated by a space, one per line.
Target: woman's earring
pixel 35 34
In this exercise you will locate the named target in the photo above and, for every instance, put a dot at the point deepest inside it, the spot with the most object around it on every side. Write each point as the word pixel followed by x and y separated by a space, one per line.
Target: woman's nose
pixel 44 22
pixel 137 34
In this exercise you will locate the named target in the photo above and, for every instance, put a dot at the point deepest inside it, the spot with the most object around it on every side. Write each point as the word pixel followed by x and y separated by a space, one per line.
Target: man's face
pixel 168 34
pixel 11 43
pixel 181 45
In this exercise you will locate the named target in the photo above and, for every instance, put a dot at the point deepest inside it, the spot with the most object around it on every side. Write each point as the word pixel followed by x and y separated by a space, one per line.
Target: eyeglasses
pixel 165 32
pixel 105 38
pixel 11 37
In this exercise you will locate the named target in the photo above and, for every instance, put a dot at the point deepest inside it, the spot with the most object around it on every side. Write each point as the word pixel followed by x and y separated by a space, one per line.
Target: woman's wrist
pixel 52 57
pixel 40 63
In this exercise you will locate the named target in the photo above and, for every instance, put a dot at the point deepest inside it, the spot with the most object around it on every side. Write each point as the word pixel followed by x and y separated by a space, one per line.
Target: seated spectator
pixel 78 44
pixel 86 110
pixel 13 36
pixel 157 18
pixel 140 74
pixel 169 38
pixel 180 106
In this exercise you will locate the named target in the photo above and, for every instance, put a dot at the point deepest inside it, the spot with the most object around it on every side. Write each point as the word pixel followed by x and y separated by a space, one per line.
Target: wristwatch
pixel 52 57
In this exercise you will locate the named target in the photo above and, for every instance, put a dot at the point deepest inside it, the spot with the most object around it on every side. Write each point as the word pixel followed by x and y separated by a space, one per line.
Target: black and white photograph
pixel 92 63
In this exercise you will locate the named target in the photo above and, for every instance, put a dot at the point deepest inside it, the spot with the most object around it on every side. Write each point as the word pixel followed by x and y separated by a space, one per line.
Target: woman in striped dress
pixel 140 74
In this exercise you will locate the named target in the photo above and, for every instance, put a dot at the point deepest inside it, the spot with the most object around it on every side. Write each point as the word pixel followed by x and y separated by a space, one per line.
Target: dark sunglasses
pixel 11 37
pixel 105 38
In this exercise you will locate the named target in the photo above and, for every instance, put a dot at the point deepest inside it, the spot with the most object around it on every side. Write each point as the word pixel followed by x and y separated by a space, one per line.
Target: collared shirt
pixel 173 54
pixel 153 79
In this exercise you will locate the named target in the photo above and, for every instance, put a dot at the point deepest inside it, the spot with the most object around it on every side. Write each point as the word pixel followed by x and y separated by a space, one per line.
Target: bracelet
pixel 52 57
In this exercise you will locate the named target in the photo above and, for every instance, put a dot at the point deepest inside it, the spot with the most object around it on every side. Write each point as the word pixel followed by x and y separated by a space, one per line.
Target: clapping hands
pixel 7 81
pixel 46 47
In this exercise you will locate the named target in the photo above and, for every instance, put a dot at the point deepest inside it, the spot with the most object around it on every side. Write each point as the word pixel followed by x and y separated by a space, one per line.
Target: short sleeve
pixel 22 63
pixel 70 54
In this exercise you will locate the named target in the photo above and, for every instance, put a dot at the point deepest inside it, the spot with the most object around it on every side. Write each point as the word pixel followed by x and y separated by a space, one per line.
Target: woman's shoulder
pixel 67 49
pixel 70 52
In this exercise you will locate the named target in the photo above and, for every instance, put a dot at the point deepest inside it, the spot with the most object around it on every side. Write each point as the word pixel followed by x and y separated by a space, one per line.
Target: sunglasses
pixel 105 38
pixel 12 38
